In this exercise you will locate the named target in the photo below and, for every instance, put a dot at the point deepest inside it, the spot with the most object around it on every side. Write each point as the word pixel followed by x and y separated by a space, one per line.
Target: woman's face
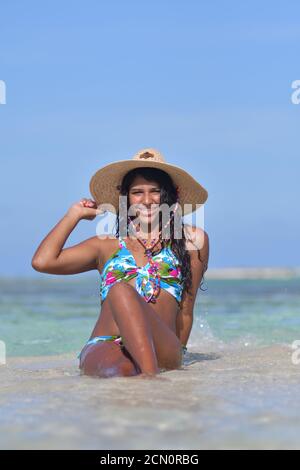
pixel 145 197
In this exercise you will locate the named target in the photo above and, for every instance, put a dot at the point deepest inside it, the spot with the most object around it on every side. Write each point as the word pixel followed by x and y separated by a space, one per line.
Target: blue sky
pixel 206 83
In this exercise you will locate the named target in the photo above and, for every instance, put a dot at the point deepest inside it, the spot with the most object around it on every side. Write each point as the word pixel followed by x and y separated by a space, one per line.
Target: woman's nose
pixel 148 200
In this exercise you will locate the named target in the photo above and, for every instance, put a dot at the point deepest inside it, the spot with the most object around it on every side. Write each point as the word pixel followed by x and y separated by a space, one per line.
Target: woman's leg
pixel 147 338
pixel 106 359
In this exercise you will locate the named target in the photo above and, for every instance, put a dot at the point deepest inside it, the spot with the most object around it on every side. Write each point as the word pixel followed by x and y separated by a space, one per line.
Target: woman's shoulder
pixel 107 244
pixel 108 240
pixel 196 237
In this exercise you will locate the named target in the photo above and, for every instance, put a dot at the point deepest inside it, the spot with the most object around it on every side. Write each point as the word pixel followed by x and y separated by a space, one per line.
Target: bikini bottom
pixel 116 339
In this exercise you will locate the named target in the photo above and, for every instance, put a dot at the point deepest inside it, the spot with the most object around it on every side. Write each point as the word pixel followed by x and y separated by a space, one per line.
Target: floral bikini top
pixel 163 272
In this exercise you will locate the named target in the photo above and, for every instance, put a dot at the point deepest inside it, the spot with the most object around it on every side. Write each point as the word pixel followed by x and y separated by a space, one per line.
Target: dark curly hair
pixel 168 195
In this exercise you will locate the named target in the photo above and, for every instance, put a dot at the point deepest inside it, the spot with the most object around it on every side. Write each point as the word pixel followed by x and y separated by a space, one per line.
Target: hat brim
pixel 104 184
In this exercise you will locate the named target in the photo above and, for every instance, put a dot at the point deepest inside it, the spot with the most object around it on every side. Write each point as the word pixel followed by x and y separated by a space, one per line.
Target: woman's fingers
pixel 88 202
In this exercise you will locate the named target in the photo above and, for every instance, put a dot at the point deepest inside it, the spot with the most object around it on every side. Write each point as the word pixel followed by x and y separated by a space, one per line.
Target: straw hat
pixel 105 183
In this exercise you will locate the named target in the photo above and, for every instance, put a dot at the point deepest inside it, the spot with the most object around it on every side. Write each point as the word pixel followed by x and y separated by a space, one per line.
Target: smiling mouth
pixel 144 212
pixel 146 215
pixel 148 212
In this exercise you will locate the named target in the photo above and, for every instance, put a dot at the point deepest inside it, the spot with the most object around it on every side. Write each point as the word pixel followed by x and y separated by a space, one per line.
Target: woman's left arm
pixel 198 241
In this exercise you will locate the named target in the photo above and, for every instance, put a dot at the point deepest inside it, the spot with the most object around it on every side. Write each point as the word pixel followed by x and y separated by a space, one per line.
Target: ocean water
pixel 238 388
pixel 54 315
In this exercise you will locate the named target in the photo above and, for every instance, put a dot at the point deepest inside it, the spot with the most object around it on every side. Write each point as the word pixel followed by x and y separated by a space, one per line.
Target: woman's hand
pixel 84 209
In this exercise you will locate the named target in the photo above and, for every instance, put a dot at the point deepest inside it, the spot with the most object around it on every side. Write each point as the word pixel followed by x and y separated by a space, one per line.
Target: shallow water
pixel 225 398
pixel 54 314
pixel 238 387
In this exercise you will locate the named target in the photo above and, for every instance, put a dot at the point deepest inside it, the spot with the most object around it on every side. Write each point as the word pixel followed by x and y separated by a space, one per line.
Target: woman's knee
pixel 119 292
pixel 118 287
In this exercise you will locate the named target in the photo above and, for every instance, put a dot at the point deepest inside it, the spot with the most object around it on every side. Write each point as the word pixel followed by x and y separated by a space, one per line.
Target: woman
pixel 149 276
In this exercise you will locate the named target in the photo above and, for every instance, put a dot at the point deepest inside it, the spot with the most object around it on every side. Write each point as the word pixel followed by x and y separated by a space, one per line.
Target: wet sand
pixel 222 398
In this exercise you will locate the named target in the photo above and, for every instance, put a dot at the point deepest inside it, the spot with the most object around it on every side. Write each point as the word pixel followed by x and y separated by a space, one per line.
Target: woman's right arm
pixel 51 258
pixel 184 319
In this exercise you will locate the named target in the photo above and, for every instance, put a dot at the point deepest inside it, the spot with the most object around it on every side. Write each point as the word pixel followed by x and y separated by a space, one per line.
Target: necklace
pixel 143 241
pixel 148 246
pixel 154 276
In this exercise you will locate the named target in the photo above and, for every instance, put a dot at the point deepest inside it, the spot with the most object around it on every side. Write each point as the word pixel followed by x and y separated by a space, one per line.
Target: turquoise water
pixel 57 315
pixel 258 312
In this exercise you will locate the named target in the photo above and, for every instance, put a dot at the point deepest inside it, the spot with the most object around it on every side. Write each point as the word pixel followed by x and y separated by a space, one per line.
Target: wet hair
pixel 168 195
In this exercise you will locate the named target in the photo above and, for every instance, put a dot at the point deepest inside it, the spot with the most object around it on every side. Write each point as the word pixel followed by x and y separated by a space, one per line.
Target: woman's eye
pixel 140 192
